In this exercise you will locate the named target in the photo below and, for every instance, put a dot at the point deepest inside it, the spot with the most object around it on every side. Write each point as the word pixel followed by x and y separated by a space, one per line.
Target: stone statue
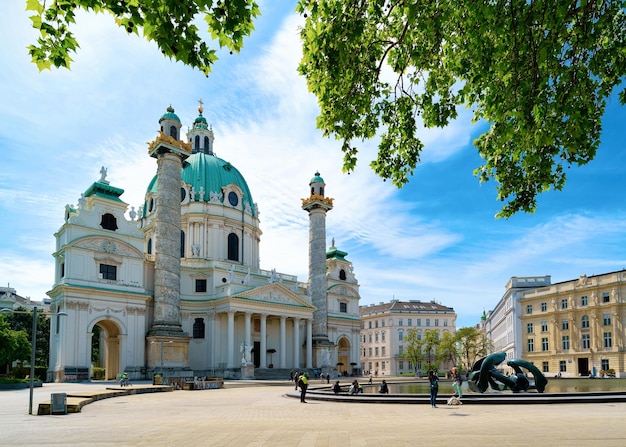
pixel 326 357
pixel 485 374
pixel 201 194
pixel 246 351
pixel 82 201
pixel 103 175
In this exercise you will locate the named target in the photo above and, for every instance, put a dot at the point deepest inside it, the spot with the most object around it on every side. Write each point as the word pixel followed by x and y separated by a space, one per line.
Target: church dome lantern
pixel 170 123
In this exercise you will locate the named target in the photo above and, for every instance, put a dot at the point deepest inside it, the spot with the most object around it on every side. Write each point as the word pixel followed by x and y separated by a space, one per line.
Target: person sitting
pixel 337 387
pixel 384 389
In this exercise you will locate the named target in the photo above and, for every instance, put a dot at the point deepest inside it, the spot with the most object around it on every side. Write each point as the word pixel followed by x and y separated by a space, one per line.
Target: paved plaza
pixel 259 414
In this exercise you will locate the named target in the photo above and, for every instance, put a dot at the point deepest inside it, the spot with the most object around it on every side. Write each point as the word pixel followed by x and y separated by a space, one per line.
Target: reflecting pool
pixel 555 385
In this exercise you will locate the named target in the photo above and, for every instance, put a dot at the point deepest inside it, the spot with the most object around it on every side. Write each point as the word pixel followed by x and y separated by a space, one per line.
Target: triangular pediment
pixel 275 293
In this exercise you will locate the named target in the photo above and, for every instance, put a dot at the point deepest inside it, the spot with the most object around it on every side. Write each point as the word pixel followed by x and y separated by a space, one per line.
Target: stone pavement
pixel 259 414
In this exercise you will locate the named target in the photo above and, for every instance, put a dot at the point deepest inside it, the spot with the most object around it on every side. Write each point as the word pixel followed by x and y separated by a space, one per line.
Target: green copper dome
pixel 211 173
pixel 170 115
pixel 317 178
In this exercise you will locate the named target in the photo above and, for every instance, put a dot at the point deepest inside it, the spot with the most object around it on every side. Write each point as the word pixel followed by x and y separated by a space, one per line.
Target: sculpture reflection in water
pixel 485 374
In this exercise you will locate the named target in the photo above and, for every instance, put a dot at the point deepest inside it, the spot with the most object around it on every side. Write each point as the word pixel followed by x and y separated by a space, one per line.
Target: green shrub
pixel 97 373
pixel 8 380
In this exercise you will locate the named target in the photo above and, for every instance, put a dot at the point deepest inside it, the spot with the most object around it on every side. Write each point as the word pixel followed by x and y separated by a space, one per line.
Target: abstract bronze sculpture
pixel 485 374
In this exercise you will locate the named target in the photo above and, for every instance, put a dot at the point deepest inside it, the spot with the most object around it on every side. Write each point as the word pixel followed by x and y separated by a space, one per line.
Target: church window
pixel 183 193
pixel 109 222
pixel 206 145
pixel 151 205
pixel 173 132
pixel 321 190
pixel 197 144
pixel 182 244
pixel 149 246
pixel 108 272
pixel 233 247
pixel 343 307
pixel 198 328
pixel 342 274
pixel 200 285
pixel 63 270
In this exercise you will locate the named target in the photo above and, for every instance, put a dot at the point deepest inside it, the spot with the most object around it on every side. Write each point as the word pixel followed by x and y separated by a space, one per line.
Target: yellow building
pixel 576 328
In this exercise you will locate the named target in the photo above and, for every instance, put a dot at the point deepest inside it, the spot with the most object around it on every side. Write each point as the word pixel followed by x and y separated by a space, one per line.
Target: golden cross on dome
pixel 200 109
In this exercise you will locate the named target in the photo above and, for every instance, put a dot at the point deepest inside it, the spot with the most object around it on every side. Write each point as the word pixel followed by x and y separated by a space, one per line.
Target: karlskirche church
pixel 176 288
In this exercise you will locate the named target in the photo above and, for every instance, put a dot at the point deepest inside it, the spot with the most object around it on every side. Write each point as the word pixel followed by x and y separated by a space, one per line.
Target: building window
pixel 529 309
pixel 445 323
pixel 606 319
pixel 608 340
pixel 400 335
pixel 370 336
pixel 198 328
pixel 149 246
pixel 605 297
pixel 585 341
pixel 63 270
pixel 382 365
pixel 382 336
pixel 562 366
pixel 565 342
pixel 200 285
pixel 565 325
pixel 197 143
pixel 545 367
pixel 544 326
pixel 342 274
pixel 370 351
pixel 400 365
pixel 531 345
pixel 376 337
pixel 108 272
pixel 182 244
pixel 382 351
pixel 376 351
pixel 544 307
pixel 173 132
pixel 343 307
pixel 376 323
pixel 564 304
pixel 604 364
pixel 400 349
pixel 382 323
pixel 410 322
pixel 544 344
pixel 108 222
pixel 436 322
pixel 399 321
pixel 369 324
pixel 427 322
pixel 529 328
pixel 419 335
pixel 585 321
pixel 233 247
pixel 419 321
pixel 584 300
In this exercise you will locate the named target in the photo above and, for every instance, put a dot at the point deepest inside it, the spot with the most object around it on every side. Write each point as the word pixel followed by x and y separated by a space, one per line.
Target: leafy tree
pixel 171 24
pixel 474 345
pixel 447 349
pixel 413 348
pixel 538 72
pixel 14 345
pixel 24 322
pixel 429 344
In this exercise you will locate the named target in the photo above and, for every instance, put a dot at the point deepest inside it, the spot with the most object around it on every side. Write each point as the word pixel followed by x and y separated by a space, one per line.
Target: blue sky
pixel 437 238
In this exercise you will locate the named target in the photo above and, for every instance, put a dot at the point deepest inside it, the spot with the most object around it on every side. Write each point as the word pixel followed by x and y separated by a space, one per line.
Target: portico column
pixel 247 330
pixel 296 342
pixel 283 343
pixel 231 339
pixel 309 344
pixel 263 356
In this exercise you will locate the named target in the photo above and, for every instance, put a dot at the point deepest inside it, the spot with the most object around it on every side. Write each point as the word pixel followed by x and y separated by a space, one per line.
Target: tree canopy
pixel 171 24
pixel 537 72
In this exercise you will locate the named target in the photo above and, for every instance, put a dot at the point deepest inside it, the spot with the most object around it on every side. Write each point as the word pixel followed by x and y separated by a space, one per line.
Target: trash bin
pixel 58 403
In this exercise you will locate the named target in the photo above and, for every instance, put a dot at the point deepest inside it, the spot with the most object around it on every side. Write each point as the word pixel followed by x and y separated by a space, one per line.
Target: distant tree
pixel 474 345
pixel 447 349
pixel 429 344
pixel 413 348
pixel 24 322
pixel 14 345
pixel 537 72
pixel 171 24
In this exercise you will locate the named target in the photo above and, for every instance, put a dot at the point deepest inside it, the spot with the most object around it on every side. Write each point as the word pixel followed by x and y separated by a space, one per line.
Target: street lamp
pixel 34 348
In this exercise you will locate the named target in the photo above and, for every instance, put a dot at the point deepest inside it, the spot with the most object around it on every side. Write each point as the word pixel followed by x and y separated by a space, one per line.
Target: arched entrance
pixel 105 348
pixel 343 356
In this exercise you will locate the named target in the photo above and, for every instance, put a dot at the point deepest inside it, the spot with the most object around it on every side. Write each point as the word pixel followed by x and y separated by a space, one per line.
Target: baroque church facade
pixel 177 287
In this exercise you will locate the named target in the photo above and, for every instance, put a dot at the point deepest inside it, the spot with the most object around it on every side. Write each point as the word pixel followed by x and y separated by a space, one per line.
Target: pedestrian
pixel 457 382
pixel 384 389
pixel 434 387
pixel 327 377
pixel 296 376
pixel 303 381
pixel 370 381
